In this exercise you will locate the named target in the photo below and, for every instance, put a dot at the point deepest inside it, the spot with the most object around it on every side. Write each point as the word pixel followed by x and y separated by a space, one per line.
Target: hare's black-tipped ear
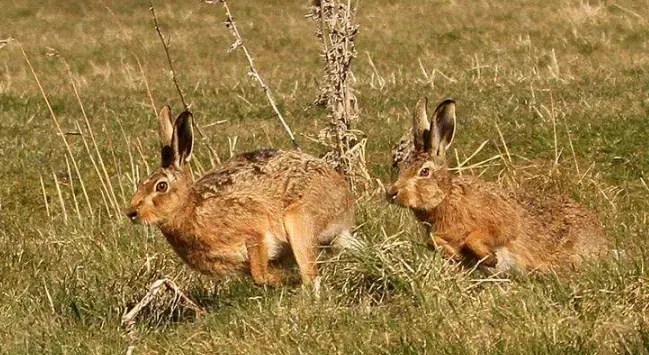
pixel 183 138
pixel 166 131
pixel 443 127
pixel 420 126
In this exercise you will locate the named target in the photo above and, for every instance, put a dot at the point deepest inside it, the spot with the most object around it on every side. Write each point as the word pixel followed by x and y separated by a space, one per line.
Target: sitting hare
pixel 473 220
pixel 255 208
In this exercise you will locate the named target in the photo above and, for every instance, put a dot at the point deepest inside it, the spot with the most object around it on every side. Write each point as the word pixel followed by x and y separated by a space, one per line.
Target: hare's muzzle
pixel 131 214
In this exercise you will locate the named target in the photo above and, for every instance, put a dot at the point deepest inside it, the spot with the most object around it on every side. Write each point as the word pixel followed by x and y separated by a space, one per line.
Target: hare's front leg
pixel 258 256
pixel 478 243
pixel 436 242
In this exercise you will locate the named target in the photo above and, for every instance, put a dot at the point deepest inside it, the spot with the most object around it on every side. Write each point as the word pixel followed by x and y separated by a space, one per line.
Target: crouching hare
pixel 255 208
pixel 476 221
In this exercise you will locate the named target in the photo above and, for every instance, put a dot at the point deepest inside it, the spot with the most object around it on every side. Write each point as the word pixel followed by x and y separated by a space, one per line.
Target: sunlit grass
pixel 523 68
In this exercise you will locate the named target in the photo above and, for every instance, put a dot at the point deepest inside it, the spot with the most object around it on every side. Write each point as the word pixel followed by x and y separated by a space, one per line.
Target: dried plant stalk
pixel 68 148
pixel 128 320
pixel 70 179
pixel 238 43
pixel 4 42
pixel 61 201
pixel 47 205
pixel 213 156
pixel 337 32
pixel 169 61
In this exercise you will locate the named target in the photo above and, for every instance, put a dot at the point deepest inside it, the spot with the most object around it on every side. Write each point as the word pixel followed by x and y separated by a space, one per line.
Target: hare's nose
pixel 131 213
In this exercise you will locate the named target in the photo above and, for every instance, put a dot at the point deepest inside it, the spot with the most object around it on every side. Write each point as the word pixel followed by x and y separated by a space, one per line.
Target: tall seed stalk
pixel 336 29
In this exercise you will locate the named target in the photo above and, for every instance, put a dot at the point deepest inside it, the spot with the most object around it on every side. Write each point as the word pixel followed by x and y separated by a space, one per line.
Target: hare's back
pixel 266 173
pixel 238 169
pixel 572 230
pixel 586 236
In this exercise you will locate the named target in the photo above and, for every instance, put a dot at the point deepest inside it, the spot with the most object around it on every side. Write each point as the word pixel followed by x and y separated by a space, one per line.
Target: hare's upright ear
pixel 166 131
pixel 421 127
pixel 183 138
pixel 443 127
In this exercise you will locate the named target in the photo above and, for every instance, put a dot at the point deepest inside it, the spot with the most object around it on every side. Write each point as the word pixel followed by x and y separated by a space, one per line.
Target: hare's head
pixel 163 193
pixel 424 180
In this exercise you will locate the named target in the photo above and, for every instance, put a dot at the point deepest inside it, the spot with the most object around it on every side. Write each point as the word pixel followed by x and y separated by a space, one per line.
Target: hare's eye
pixel 424 172
pixel 161 186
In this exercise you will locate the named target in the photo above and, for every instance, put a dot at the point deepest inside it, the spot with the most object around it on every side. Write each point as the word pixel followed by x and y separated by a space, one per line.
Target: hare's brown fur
pixel 473 220
pixel 253 209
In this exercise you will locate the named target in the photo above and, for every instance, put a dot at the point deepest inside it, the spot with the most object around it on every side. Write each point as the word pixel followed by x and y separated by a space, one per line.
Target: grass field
pixel 568 77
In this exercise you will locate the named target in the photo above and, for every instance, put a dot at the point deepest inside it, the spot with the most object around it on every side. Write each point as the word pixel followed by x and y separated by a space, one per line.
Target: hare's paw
pixel 437 243
pixel 272 278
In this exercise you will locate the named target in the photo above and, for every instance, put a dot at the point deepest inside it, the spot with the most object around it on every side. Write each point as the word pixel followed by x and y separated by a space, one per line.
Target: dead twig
pixel 4 42
pixel 254 73
pixel 502 140
pixel 336 30
pixel 128 320
pixel 165 45
pixel 630 12
pixel 644 184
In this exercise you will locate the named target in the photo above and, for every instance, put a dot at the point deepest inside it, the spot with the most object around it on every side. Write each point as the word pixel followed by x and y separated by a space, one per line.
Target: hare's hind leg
pixel 477 244
pixel 301 235
pixel 338 233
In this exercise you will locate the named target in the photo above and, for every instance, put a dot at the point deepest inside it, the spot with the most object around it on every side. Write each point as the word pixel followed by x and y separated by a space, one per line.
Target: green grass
pixel 517 64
